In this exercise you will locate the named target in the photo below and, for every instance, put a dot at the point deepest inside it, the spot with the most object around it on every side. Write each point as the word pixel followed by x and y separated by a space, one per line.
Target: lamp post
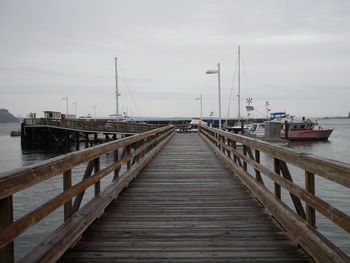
pixel 66 98
pixel 200 98
pixel 217 72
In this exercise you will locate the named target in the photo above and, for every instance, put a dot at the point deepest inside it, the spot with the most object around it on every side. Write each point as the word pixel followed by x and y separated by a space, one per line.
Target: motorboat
pixel 303 130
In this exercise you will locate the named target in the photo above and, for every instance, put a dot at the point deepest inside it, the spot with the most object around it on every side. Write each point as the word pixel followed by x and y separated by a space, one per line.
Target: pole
pixel 219 96
pixel 66 98
pixel 201 108
pixel 75 107
pixel 116 89
pixel 239 83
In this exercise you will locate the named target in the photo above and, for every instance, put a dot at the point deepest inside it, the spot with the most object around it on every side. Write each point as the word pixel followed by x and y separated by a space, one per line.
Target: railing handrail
pixel 145 145
pixel 93 125
pixel 330 169
pixel 19 179
pixel 299 224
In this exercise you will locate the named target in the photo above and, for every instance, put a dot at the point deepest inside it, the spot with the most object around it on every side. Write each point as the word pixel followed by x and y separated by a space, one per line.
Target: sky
pixel 294 55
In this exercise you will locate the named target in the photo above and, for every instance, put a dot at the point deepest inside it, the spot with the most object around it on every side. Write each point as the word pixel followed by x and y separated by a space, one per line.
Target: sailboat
pixel 238 126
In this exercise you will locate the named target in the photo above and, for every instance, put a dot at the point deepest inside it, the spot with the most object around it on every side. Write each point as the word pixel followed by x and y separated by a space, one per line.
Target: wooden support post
pixel 116 159
pixel 95 138
pixel 257 172
pixel 67 183
pixel 79 197
pixel 296 201
pixel 310 187
pixel 128 151
pixel 236 159
pixel 6 219
pixel 229 143
pixel 98 183
pixel 86 135
pixel 276 165
pixel 77 144
pixel 244 162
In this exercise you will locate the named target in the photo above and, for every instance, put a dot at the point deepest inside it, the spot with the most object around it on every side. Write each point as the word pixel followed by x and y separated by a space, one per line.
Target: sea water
pixel 13 156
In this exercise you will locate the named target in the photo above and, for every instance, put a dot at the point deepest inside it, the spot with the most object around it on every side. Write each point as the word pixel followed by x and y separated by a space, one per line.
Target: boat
pixel 255 129
pixel 304 130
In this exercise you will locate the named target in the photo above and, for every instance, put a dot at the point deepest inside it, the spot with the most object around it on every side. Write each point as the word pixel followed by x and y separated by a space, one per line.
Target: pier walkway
pixel 185 207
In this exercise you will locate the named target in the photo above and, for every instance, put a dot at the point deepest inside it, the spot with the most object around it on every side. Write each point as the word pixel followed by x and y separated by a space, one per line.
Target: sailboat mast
pixel 239 83
pixel 116 89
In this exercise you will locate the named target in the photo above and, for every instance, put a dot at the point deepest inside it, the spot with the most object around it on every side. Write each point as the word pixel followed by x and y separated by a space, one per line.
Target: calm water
pixel 13 156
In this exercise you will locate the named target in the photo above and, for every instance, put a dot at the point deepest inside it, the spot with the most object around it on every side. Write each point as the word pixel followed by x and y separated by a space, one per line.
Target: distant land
pixel 7 117
pixel 337 117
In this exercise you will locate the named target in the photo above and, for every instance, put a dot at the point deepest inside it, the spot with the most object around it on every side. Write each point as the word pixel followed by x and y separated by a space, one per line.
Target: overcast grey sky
pixel 295 54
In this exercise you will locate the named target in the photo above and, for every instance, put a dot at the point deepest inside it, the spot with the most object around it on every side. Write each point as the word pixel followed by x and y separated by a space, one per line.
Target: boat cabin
pixel 52 114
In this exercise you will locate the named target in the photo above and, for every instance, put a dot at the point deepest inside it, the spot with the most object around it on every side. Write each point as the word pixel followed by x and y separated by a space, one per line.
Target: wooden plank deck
pixel 185 207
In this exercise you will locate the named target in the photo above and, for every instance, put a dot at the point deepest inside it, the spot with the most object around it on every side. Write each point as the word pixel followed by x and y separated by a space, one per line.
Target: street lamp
pixel 200 98
pixel 217 72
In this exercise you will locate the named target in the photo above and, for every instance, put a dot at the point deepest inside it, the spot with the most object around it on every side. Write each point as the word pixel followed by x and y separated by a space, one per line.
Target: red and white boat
pixel 303 130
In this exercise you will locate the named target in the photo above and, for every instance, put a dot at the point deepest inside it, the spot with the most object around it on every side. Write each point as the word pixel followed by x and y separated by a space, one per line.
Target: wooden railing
pixel 92 125
pixel 137 151
pixel 300 224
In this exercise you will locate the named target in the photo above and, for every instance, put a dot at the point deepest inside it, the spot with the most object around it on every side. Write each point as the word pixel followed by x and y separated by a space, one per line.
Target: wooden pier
pixel 186 204
pixel 65 133
pixel 185 207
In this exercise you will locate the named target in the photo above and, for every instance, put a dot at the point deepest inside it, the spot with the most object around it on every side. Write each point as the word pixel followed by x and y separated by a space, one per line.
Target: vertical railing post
pixel 116 159
pixel 310 187
pixel 128 151
pixel 6 219
pixel 257 172
pixel 277 169
pixel 98 183
pixel 67 183
pixel 245 167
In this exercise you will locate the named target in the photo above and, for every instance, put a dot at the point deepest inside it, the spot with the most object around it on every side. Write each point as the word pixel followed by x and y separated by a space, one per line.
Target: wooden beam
pixel 23 223
pixel 333 170
pixel 58 242
pixel 321 249
pixel 296 201
pixel 310 187
pixel 67 183
pixel 6 219
pixel 277 169
pixel 334 214
pixel 22 178
pixel 97 169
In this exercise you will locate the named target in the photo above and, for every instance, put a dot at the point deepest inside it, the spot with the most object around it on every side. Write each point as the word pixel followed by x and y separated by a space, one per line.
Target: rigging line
pixel 129 90
pixel 263 114
pixel 233 86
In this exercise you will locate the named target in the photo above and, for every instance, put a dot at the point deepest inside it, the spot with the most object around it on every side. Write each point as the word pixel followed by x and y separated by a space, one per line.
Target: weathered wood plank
pixel 321 249
pixel 185 207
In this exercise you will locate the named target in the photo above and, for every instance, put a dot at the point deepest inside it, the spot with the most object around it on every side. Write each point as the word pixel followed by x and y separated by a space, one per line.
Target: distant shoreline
pixel 335 118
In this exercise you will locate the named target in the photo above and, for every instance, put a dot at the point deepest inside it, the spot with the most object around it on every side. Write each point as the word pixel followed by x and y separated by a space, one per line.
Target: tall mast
pixel 239 83
pixel 116 89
